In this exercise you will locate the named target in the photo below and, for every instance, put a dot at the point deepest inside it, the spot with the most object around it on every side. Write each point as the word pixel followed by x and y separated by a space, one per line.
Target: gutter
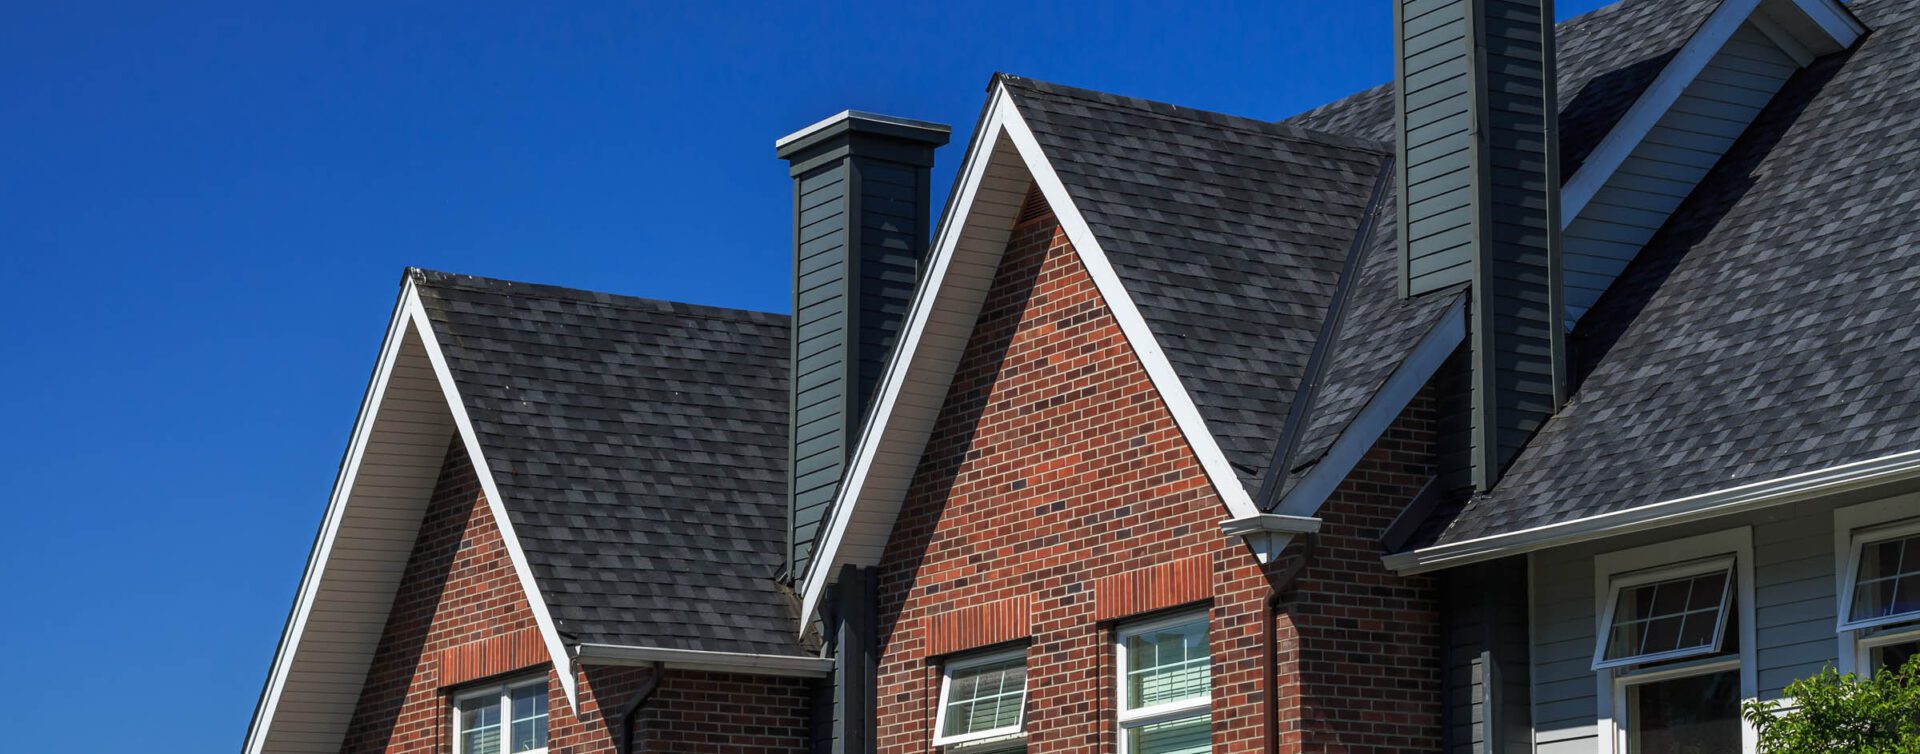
pixel 1811 485
pixel 694 659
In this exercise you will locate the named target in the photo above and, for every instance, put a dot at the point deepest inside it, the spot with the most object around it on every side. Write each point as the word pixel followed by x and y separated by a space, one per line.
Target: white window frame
pixel 964 662
pixel 1614 683
pixel 1201 706
pixel 503 690
pixel 1853 527
pixel 1623 582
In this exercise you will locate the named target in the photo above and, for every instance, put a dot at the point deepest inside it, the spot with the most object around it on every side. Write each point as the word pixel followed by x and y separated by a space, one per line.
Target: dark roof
pixel 1228 233
pixel 640 447
pixel 1772 327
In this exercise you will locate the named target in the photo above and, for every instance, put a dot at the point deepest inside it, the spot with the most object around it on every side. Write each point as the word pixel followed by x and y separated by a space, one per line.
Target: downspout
pixel 1276 602
pixel 629 717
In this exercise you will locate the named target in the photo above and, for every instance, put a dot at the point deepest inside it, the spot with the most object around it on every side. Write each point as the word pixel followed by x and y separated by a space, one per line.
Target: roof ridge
pixel 431 278
pixel 1271 129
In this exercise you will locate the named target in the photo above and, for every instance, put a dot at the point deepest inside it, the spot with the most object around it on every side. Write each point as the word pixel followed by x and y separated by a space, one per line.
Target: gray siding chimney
pixel 1478 201
pixel 860 201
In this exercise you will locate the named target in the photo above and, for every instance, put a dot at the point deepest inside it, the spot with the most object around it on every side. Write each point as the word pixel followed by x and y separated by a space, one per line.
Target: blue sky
pixel 205 208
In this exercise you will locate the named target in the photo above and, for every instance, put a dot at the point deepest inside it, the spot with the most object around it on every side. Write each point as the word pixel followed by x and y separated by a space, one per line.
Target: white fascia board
pixel 556 649
pixel 694 659
pixel 1003 118
pixel 1832 20
pixel 1387 403
pixel 329 532
pixel 1848 477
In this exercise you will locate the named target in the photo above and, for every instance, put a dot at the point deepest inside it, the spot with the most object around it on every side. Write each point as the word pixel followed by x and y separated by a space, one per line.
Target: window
pixel 1890 649
pixel 982 697
pixel 1884 584
pixel 1673 645
pixel 1166 687
pixel 1667 614
pixel 509 718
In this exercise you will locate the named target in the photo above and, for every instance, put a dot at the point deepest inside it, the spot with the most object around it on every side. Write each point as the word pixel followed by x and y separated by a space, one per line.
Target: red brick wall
pixel 460 615
pixel 1055 472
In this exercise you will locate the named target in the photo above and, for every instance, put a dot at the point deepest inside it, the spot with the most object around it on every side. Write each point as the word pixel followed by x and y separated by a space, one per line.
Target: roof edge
pixel 697 659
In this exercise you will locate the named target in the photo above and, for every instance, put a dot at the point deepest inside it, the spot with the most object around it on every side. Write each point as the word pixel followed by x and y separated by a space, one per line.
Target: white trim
pixel 695 659
pixel 1851 526
pixel 1623 582
pixel 1126 718
pixel 1792 488
pixel 1002 119
pixel 1380 412
pixel 329 528
pixel 1611 683
pixel 556 649
pixel 965 662
pixel 503 693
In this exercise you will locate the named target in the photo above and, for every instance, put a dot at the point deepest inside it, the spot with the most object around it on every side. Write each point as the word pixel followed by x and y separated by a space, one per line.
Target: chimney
pixel 1478 202
pixel 860 207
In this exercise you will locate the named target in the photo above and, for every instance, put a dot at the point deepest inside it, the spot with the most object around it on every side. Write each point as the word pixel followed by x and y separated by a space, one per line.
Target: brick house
pixel 1364 431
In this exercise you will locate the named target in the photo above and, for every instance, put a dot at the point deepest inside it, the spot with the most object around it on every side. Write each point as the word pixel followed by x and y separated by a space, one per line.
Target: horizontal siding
pixel 1436 193
pixel 1681 148
pixel 820 350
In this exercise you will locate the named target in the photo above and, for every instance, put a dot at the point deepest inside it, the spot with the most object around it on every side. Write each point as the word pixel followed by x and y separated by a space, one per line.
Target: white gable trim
pixel 1001 127
pixel 1838 27
pixel 409 318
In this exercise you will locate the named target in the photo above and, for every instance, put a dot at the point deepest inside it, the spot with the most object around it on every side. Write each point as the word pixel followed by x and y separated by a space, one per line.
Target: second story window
pixel 501 718
pixel 983 701
pixel 1880 603
pixel 1667 614
pixel 1166 686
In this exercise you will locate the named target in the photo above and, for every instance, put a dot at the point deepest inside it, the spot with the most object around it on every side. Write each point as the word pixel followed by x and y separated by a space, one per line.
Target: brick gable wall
pixel 1055 473
pixel 460 616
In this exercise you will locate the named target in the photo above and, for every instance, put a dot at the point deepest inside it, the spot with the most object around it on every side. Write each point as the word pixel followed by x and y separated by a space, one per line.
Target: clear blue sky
pixel 205 208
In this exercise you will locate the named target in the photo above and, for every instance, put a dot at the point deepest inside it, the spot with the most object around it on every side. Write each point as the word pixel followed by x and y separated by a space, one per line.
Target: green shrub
pixel 1842 713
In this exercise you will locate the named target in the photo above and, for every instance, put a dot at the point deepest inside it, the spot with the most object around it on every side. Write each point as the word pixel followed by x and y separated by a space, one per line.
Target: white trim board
pixel 409 342
pixel 1002 157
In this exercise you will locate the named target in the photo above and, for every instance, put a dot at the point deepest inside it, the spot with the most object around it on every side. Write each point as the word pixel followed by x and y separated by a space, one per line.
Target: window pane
pixel 480 725
pixel 529 717
pixel 1893 656
pixel 986 697
pixel 1692 715
pixel 1168 665
pixel 1889 579
pixel 1667 616
pixel 1192 735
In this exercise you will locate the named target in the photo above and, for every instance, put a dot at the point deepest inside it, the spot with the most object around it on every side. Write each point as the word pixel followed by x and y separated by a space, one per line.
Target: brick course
pixel 1054 466
pixel 460 615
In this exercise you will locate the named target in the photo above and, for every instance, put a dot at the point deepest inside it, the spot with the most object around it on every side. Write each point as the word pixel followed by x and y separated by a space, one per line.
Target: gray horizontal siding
pixel 1436 156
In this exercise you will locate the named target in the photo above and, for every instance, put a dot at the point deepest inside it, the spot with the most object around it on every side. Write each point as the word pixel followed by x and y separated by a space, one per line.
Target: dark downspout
pixel 629 717
pixel 1282 583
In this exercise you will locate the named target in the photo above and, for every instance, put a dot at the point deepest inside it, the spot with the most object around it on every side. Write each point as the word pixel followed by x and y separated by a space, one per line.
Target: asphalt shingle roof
pixel 1228 233
pixel 640 447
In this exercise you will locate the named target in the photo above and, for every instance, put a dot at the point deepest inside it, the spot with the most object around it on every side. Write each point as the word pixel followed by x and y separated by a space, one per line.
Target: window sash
pixel 1906 575
pixel 947 702
pixel 1623 584
pixel 500 700
pixel 1197 705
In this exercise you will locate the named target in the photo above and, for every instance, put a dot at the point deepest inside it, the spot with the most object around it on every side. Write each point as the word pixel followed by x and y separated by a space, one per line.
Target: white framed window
pixel 982 697
pixel 1668 613
pixel 1673 645
pixel 501 718
pixel 1876 549
pixel 1165 674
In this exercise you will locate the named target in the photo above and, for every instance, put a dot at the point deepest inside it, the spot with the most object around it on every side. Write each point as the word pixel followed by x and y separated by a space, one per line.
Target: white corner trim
pixel 694 659
pixel 1381 410
pixel 1002 118
pixel 556 649
pixel 1846 477
pixel 309 590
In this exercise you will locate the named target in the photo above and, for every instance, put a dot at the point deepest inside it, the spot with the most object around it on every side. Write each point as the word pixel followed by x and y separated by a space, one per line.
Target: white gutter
pixel 1849 477
pixel 694 659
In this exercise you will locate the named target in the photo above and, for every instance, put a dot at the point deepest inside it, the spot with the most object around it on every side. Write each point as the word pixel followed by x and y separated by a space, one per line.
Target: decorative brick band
pixel 491 656
pixel 1156 587
pixel 979 625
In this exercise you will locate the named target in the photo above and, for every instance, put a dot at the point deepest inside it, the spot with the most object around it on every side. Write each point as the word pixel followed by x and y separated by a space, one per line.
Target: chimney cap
pixel 933 134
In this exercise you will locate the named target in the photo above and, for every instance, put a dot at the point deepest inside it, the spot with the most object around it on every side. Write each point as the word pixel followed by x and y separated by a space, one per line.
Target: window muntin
pixel 982 697
pixel 1667 614
pixel 1165 673
pixel 509 718
pixel 1883 578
